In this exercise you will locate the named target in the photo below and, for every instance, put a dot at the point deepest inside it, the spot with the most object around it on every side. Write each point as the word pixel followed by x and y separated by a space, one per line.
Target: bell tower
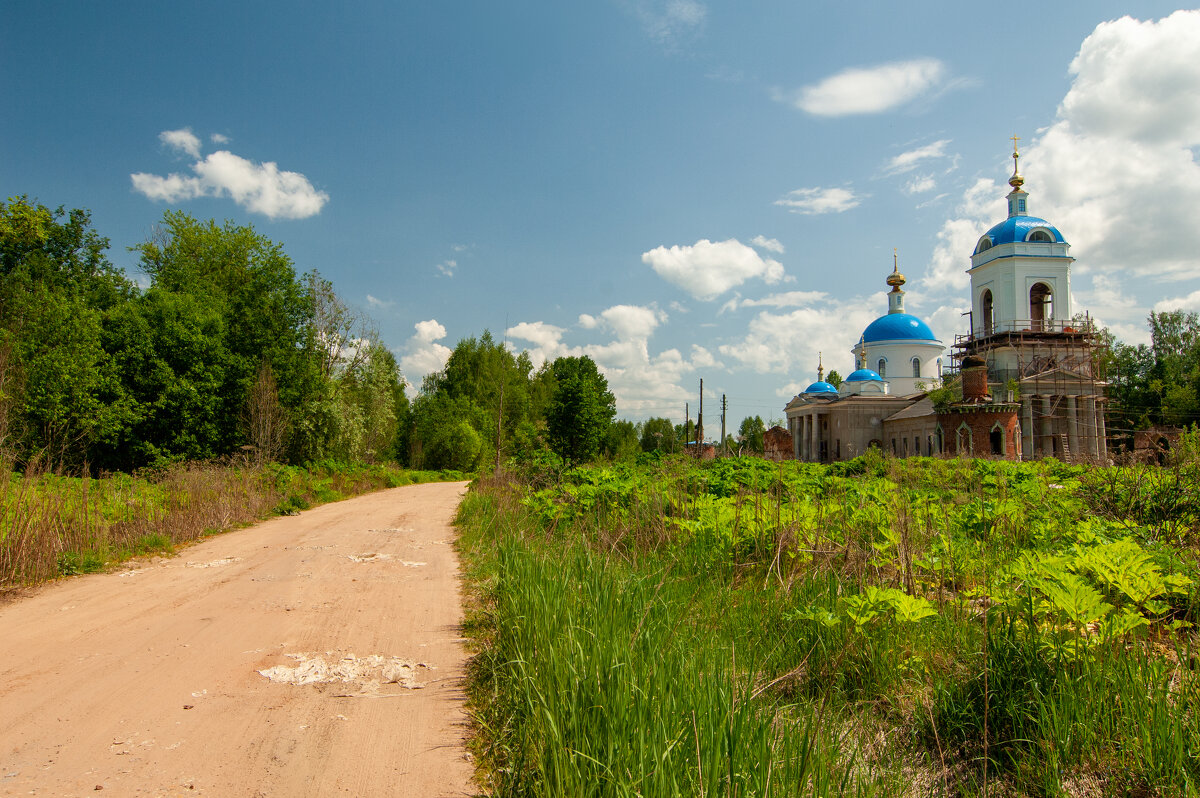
pixel 1025 329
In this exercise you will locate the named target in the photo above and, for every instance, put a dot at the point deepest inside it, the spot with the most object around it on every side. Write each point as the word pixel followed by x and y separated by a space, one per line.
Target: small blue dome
pixel 864 375
pixel 1018 228
pixel 897 327
pixel 820 386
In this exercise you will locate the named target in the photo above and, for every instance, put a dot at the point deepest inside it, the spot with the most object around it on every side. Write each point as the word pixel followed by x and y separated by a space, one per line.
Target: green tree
pixel 621 441
pixel 581 409
pixel 750 433
pixel 659 433
pixel 834 379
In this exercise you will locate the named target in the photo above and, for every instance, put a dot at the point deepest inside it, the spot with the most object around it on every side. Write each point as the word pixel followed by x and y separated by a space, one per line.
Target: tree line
pixel 225 348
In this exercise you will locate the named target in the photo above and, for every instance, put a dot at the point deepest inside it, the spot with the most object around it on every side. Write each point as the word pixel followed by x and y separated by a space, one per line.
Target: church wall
pixel 967 432
pixel 911 437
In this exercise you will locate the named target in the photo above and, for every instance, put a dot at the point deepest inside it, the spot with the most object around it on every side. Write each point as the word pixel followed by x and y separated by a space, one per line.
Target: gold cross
pixel 1015 139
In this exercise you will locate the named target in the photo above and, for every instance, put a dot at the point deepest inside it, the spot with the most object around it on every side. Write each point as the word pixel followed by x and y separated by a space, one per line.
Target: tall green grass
pixel 920 627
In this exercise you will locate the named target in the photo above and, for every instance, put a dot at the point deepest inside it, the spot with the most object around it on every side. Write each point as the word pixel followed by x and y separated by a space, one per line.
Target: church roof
pixel 1018 228
pixel 820 386
pixel 897 327
pixel 864 375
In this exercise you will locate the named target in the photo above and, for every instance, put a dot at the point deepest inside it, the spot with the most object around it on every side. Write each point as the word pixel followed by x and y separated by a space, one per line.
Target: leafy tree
pixel 581 409
pixel 834 379
pixel 444 433
pixel 621 441
pixel 659 433
pixel 750 433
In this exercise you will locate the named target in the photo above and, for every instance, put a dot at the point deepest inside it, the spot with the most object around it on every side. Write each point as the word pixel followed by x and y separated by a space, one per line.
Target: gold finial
pixel 895 279
pixel 1016 181
pixel 820 369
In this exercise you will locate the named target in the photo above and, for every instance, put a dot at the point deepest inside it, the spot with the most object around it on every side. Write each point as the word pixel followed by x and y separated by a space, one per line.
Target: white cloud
pixel 217 138
pixel 375 302
pixel 546 338
pixel 183 140
pixel 1191 302
pixel 669 21
pixel 812 201
pixel 919 184
pixel 907 161
pixel 1116 171
pixel 422 354
pixel 784 342
pixel 257 187
pixel 769 244
pixel 870 90
pixel 447 267
pixel 787 299
pixel 707 269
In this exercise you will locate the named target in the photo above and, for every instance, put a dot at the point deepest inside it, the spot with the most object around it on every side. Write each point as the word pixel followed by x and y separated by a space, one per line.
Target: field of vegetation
pixel 875 627
pixel 53 525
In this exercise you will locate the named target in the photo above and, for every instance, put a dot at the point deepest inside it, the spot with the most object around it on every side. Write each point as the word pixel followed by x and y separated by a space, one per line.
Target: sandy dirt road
pixel 150 681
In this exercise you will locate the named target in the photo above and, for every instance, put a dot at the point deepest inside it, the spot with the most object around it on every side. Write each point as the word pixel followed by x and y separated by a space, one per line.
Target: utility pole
pixel 724 408
pixel 687 422
pixel 700 420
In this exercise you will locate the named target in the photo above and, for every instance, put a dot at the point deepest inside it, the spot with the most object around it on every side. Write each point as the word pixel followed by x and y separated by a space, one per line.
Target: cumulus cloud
pixel 422 354
pixel 769 244
pixel 257 187
pixel 183 140
pixel 870 90
pixel 907 161
pixel 1116 171
pixel 707 269
pixel 644 383
pixel 813 201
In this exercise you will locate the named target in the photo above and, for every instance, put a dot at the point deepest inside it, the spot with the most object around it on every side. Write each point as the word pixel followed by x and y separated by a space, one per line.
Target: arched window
pixel 882 367
pixel 986 304
pixel 939 364
pixel 984 244
pixel 1041 305
pixel 1041 235
pixel 916 364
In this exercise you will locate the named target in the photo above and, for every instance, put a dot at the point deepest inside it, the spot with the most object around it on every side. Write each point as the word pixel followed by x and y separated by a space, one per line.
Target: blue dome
pixel 864 375
pixel 1018 228
pixel 820 387
pixel 897 327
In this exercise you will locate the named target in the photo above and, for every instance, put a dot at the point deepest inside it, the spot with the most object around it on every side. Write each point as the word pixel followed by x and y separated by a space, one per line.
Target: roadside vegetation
pixel 53 525
pixel 875 627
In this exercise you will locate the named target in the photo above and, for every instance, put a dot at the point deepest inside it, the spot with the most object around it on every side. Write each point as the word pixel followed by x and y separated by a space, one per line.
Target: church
pixel 1026 368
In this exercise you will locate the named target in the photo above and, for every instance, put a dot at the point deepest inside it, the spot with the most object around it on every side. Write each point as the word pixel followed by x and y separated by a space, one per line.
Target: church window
pixel 987 304
pixel 916 364
pixel 940 438
pixel 996 438
pixel 1020 206
pixel 1041 306
pixel 984 244
pixel 1041 235
pixel 939 365
pixel 882 367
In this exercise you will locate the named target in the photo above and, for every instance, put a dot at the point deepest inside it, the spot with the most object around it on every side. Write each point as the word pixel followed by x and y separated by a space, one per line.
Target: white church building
pixel 1036 352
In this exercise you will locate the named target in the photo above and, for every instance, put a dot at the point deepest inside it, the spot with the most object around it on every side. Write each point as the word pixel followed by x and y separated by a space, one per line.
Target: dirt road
pixel 311 655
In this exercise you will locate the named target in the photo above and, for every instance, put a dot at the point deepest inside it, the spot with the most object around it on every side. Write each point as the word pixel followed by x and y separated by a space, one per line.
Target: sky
pixel 682 190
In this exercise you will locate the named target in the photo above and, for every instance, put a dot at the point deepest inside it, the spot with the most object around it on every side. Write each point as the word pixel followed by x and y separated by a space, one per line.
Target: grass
pixel 54 525
pixel 881 627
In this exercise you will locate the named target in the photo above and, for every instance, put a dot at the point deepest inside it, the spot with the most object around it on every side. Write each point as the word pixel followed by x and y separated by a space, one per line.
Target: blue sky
pixel 680 189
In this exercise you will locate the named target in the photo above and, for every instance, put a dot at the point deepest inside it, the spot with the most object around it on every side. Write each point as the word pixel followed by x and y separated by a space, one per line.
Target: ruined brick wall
pixel 777 444
pixel 967 431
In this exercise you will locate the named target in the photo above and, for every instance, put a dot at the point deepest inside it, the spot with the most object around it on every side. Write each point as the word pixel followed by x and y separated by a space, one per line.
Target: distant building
pixel 1034 387
pixel 777 444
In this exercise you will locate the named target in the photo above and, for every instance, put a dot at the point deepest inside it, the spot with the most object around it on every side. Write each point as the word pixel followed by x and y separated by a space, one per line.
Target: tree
pixel 581 409
pixel 750 433
pixel 659 434
pixel 621 441
pixel 834 379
